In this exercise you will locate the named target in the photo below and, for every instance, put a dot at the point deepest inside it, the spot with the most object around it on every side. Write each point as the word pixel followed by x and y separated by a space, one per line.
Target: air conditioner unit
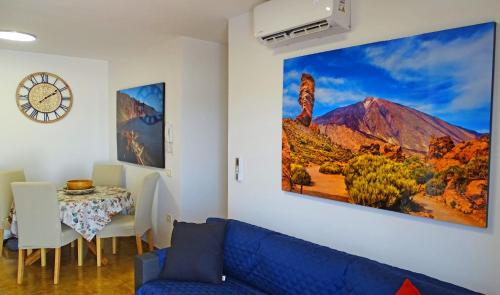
pixel 283 22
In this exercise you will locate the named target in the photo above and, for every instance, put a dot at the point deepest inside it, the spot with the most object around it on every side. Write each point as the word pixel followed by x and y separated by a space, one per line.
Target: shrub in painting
pixel 379 182
pixel 300 176
pixel 435 187
pixel 331 168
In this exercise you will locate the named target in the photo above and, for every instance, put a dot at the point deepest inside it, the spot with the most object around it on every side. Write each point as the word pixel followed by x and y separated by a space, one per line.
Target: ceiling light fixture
pixel 17 36
pixel 328 8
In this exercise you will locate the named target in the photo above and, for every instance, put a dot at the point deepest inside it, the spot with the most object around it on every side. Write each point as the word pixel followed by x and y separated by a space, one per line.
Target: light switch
pixel 238 170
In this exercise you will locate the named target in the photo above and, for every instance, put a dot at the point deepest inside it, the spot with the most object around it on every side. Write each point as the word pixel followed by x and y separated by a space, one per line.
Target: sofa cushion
pixel 196 254
pixel 241 246
pixel 287 265
pixel 408 289
pixel 229 287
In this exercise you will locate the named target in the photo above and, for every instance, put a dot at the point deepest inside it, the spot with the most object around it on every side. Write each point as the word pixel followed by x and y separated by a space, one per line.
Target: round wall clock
pixel 44 97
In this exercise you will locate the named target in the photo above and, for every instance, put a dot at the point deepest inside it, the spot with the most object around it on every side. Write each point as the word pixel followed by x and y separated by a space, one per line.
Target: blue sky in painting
pixel 447 74
pixel 152 95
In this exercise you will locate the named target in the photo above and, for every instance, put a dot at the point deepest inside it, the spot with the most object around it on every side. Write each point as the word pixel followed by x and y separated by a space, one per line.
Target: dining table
pixel 87 213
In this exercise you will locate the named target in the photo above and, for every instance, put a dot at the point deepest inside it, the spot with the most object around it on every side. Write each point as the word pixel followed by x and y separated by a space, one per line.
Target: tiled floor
pixel 115 278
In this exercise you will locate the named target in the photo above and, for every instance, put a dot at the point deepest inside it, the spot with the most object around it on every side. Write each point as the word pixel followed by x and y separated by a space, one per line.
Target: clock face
pixel 44 97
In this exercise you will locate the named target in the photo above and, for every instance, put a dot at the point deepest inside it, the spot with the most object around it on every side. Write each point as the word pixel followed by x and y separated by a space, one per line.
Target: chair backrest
pixel 144 203
pixel 108 174
pixel 6 178
pixel 37 214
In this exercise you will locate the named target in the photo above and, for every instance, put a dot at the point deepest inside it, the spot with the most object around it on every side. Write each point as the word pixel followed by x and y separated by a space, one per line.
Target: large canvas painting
pixel 140 124
pixel 402 125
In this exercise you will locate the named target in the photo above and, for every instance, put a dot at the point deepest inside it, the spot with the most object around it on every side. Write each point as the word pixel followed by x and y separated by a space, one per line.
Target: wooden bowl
pixel 78 184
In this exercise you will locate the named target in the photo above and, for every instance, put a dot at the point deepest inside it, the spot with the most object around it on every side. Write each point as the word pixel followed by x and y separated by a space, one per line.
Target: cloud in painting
pixel 462 61
pixel 330 80
pixel 332 96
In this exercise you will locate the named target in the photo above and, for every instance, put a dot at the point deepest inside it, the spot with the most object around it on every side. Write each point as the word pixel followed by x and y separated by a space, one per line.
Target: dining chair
pixel 108 174
pixel 38 223
pixel 6 178
pixel 133 225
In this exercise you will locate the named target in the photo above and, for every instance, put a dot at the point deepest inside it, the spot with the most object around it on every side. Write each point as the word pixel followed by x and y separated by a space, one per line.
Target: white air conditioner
pixel 283 22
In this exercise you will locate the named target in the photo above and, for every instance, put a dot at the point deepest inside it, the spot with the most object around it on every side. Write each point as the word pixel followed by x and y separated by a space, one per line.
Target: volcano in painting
pixel 140 125
pixel 402 125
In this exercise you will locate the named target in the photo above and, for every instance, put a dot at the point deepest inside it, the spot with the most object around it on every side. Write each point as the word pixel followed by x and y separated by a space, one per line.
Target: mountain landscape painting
pixel 140 125
pixel 401 125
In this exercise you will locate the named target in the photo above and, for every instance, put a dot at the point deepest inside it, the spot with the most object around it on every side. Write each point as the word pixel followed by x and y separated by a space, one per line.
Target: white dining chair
pixel 133 225
pixel 108 174
pixel 38 223
pixel 6 178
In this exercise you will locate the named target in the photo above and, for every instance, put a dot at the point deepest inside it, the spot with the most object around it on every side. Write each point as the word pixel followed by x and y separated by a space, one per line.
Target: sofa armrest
pixel 148 267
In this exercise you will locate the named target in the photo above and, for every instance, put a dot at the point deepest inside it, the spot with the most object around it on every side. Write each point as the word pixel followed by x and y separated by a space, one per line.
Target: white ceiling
pixel 96 28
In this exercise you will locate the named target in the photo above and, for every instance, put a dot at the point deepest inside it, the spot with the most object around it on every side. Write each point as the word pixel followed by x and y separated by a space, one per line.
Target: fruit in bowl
pixel 79 184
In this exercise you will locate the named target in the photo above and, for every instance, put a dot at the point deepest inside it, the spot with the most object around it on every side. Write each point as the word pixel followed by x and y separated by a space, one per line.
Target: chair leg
pixel 57 265
pixel 20 267
pixel 43 257
pixel 80 251
pixel 99 250
pixel 1 244
pixel 115 241
pixel 150 240
pixel 138 241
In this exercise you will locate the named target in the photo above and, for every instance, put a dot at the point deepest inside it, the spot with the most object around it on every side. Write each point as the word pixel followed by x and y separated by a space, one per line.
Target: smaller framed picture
pixel 140 125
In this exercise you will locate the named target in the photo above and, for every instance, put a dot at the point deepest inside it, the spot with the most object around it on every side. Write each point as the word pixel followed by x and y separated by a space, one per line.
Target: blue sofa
pixel 260 261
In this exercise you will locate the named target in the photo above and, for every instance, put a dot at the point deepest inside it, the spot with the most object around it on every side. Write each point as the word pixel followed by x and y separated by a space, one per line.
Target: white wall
pixel 204 130
pixel 462 255
pixel 65 149
pixel 194 72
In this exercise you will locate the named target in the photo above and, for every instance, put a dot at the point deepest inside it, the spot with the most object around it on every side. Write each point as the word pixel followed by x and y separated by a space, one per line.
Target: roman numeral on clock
pixel 45 77
pixel 46 117
pixel 25 107
pixel 33 80
pixel 63 89
pixel 34 114
pixel 64 108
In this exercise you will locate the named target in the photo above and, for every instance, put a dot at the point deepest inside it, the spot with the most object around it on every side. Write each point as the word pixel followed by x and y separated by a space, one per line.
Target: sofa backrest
pixel 241 247
pixel 282 265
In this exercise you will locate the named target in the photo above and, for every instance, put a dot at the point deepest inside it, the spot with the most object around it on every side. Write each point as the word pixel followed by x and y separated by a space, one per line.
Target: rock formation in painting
pixel 439 146
pixel 131 108
pixel 286 162
pixel 306 99
pixel 463 170
pixel 463 153
pixel 391 151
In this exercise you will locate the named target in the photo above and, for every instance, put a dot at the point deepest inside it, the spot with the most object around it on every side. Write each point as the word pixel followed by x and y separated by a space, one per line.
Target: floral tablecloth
pixel 88 214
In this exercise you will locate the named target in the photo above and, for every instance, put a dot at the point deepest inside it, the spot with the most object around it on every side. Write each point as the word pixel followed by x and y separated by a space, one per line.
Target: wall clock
pixel 44 97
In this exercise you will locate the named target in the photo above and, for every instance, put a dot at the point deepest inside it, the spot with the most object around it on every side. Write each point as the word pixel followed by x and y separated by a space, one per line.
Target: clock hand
pixel 53 93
